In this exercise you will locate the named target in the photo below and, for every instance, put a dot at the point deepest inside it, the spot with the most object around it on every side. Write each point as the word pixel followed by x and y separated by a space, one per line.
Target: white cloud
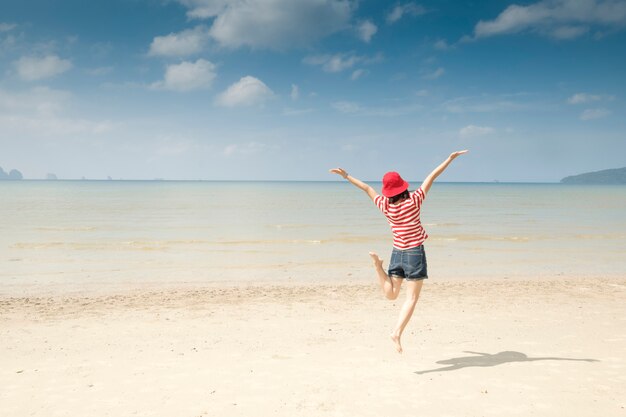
pixel 296 112
pixel 204 9
pixel 569 32
pixel 100 71
pixel 9 43
pixel 441 45
pixel 346 106
pixel 349 147
pixel 248 91
pixel 41 112
pixel 562 19
pixel 5 27
pixel 487 103
pixel 358 74
pixel 273 24
pixel 401 10
pixel 334 63
pixel 580 98
pixel 39 101
pixel 366 31
pixel 434 74
pixel 350 107
pixel 36 68
pixel 592 114
pixel 341 61
pixel 295 92
pixel 187 76
pixel 474 131
pixel 187 42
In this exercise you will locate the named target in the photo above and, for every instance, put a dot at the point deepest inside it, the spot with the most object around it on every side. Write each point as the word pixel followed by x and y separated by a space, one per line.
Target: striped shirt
pixel 404 219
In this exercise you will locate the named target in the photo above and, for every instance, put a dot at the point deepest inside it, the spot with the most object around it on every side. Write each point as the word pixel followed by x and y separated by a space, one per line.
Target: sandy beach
pixel 474 348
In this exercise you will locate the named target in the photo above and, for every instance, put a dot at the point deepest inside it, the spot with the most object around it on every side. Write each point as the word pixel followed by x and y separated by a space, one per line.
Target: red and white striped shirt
pixel 404 219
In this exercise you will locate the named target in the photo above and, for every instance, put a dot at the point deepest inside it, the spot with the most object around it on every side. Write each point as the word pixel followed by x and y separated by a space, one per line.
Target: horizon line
pixel 255 180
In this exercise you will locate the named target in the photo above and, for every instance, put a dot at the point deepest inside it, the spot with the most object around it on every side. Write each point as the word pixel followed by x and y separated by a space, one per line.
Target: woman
pixel 408 259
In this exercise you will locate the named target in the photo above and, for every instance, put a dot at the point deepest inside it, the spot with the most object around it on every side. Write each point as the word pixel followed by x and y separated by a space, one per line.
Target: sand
pixel 550 347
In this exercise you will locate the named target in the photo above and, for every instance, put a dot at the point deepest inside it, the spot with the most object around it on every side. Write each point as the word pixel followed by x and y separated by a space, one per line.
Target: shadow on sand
pixel 487 359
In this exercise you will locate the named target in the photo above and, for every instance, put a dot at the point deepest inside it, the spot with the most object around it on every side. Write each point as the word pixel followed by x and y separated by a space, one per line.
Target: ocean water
pixel 142 232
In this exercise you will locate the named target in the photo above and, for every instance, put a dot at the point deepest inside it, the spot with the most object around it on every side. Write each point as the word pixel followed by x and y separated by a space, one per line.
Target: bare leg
pixel 412 295
pixel 389 285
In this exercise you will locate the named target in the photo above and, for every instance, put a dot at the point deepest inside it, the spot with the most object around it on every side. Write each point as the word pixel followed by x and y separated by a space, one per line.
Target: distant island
pixel 607 176
pixel 14 174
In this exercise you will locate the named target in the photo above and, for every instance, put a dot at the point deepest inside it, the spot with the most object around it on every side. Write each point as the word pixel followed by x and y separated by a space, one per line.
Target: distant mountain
pixel 607 176
pixel 14 174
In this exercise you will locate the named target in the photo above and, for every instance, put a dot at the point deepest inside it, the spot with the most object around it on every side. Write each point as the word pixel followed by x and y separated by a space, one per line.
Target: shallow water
pixel 146 231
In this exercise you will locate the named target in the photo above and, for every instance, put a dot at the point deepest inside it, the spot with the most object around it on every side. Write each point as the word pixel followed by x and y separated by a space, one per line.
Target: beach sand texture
pixel 474 348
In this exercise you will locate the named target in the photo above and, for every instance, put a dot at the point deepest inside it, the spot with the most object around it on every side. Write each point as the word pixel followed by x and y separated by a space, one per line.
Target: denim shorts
pixel 409 264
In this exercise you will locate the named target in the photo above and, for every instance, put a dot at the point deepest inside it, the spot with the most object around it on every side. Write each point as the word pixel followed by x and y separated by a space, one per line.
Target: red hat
pixel 393 184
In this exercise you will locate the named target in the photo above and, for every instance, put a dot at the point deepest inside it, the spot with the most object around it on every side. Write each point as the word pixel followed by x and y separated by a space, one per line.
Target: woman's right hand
pixel 457 153
pixel 339 171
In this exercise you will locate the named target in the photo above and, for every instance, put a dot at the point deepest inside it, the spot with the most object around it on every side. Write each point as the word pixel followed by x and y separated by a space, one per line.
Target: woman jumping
pixel 408 259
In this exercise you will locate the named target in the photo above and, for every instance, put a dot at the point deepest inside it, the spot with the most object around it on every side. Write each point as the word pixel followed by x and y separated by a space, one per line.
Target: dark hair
pixel 404 194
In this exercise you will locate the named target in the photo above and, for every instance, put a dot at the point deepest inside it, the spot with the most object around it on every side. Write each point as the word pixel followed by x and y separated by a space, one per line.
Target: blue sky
pixel 285 89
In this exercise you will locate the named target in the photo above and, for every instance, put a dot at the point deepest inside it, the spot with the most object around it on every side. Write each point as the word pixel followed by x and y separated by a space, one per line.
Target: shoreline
pixel 181 295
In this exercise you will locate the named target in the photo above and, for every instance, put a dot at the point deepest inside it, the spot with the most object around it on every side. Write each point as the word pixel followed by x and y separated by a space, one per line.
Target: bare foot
pixel 396 341
pixel 377 261
pixel 386 284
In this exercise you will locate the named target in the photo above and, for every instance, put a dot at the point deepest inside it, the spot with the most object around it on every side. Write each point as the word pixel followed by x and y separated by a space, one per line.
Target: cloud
pixel 296 112
pixel 5 27
pixel 561 19
pixel 366 31
pixel 295 92
pixel 187 42
pixel 350 107
pixel 100 71
pixel 349 147
pixel 248 91
pixel 592 114
pixel 471 131
pixel 31 68
pixel 434 74
pixel 580 98
pixel 346 106
pixel 441 45
pixel 41 112
pixel 358 74
pixel 334 63
pixel 340 62
pixel 39 101
pixel 495 103
pixel 401 10
pixel 204 9
pixel 569 32
pixel 274 24
pixel 187 76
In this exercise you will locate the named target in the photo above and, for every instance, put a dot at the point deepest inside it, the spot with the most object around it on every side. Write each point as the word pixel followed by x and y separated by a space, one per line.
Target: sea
pixel 84 234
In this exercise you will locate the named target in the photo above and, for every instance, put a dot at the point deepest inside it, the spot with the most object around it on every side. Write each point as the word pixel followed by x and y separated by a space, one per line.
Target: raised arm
pixel 428 182
pixel 356 182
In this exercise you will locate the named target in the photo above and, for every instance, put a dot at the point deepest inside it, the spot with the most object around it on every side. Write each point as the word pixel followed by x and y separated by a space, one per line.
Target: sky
pixel 286 89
